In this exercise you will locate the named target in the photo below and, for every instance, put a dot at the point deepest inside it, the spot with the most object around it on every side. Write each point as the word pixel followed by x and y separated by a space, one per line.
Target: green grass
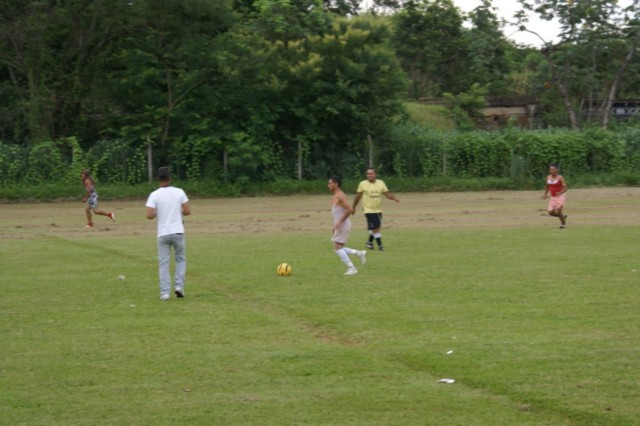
pixel 543 323
pixel 429 116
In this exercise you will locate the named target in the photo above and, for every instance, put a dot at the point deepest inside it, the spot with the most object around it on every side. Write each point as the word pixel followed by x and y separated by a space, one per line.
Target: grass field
pixel 537 325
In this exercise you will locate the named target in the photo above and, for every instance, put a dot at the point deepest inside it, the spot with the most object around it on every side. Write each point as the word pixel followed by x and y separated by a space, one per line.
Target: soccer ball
pixel 284 269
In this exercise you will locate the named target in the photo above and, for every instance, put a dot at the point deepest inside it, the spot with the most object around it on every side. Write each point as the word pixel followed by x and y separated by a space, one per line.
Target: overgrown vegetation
pixel 417 158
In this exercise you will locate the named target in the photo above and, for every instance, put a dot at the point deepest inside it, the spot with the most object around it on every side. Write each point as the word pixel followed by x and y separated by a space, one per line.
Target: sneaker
pixel 89 225
pixel 363 256
pixel 381 248
pixel 164 297
pixel 369 245
pixel 562 226
pixel 351 271
pixel 179 292
pixel 112 216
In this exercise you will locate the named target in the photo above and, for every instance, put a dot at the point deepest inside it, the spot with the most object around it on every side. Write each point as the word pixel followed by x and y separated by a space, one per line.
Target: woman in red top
pixel 557 187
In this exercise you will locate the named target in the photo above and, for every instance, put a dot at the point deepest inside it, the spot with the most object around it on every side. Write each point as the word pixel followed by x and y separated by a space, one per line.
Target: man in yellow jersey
pixel 371 192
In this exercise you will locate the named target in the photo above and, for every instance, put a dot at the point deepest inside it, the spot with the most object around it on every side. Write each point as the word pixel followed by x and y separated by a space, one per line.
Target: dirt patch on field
pixel 419 211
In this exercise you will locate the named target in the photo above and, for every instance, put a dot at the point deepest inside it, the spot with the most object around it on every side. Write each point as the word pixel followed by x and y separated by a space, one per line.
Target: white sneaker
pixel 351 271
pixel 164 297
pixel 363 256
pixel 179 292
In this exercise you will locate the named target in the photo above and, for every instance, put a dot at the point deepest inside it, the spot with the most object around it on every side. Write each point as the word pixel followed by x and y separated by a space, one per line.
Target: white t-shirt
pixel 168 201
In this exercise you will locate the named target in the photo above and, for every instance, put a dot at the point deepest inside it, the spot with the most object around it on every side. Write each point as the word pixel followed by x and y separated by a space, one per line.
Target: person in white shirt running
pixel 341 210
pixel 168 205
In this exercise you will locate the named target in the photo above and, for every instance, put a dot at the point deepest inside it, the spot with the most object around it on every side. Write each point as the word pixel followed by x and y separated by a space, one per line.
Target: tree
pixel 168 54
pixel 488 63
pixel 596 26
pixel 52 52
pixel 430 43
pixel 465 109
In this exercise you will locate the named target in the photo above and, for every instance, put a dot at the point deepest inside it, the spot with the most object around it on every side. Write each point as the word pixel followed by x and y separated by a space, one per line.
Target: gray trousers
pixel 165 242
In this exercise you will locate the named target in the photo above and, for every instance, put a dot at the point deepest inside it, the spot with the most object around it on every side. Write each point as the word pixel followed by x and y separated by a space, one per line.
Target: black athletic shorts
pixel 374 220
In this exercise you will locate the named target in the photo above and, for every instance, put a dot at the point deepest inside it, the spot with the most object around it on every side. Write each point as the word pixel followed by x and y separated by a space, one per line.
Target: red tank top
pixel 554 186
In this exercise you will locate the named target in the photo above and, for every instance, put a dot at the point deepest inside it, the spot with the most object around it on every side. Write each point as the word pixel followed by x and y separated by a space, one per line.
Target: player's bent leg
pixel 362 255
pixel 351 270
pixel 562 216
pixel 369 243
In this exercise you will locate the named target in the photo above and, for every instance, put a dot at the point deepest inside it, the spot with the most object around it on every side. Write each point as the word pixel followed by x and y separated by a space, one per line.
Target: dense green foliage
pixel 218 89
pixel 415 158
pixel 255 91
pixel 514 153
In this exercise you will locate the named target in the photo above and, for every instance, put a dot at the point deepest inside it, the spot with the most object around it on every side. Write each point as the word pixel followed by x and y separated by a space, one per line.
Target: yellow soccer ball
pixel 284 269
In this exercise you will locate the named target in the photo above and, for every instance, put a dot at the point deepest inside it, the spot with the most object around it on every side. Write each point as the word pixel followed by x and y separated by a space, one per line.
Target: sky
pixel 505 10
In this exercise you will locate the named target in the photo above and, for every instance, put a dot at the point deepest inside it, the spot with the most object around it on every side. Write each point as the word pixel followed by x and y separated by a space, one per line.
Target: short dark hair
pixel 554 165
pixel 337 180
pixel 164 175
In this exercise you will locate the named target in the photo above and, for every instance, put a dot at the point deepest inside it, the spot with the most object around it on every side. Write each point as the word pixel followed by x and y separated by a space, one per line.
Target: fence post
pixel 225 166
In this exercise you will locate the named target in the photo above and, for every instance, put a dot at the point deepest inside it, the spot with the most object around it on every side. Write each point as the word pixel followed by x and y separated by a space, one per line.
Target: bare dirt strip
pixel 304 213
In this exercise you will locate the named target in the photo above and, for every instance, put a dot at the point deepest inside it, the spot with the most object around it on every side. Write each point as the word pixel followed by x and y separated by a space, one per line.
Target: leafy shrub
pixel 117 161
pixel 13 163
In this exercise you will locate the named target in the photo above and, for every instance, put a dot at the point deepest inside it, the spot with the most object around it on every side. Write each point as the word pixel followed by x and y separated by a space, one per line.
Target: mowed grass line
pixel 542 324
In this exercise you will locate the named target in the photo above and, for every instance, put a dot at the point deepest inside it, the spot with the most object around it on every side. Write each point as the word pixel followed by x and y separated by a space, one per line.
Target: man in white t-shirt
pixel 169 204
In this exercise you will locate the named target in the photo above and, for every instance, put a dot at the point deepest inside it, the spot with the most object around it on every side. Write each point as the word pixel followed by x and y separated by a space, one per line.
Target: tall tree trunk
pixel 299 160
pixel 170 105
pixel 591 82
pixel 149 160
pixel 605 108
pixel 37 126
pixel 562 89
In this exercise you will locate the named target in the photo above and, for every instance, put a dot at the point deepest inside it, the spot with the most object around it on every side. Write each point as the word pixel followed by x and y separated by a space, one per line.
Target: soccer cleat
pixel 369 245
pixel 381 248
pixel 363 256
pixel 164 297
pixel 562 226
pixel 179 292
pixel 112 216
pixel 351 271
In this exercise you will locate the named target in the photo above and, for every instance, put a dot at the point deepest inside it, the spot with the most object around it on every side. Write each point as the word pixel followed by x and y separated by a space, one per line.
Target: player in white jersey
pixel 341 211
pixel 169 204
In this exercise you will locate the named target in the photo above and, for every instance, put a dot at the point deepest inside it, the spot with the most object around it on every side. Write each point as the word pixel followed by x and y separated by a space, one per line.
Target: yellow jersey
pixel 372 195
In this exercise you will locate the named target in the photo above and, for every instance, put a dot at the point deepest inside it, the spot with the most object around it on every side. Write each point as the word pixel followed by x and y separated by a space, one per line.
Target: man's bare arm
pixel 356 200
pixel 151 213
pixel 391 196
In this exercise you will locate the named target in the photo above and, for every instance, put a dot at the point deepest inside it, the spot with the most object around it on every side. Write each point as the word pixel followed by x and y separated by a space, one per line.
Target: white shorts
pixel 341 234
